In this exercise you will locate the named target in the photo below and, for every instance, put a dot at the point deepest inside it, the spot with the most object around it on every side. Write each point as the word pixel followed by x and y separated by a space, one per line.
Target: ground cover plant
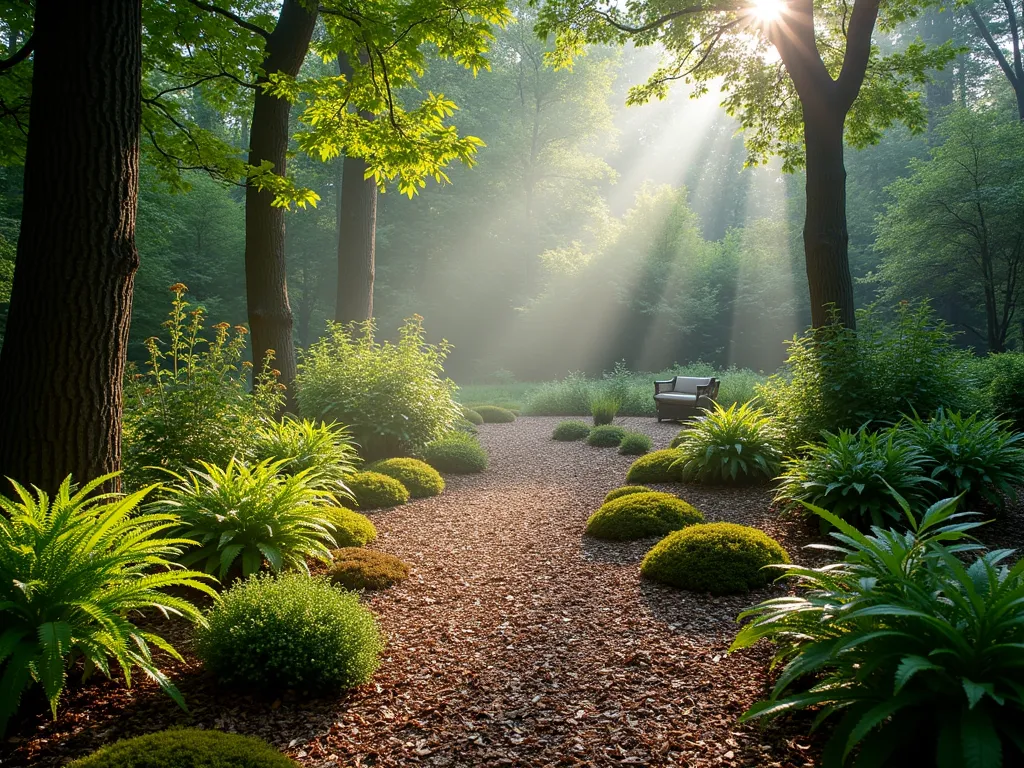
pixel 366 569
pixel 76 569
pixel 473 417
pixel 655 467
pixel 720 558
pixel 911 647
pixel 456 453
pixel 568 431
pixel 375 490
pixel 187 748
pixel 392 396
pixel 635 444
pixel 737 444
pixel 625 491
pixel 493 414
pixel 418 477
pixel 350 529
pixel 243 515
pixel 290 632
pixel 325 449
pixel 641 515
pixel 606 436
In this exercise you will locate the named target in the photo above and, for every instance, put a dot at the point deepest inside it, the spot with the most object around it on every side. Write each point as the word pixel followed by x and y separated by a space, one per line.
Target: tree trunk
pixel 270 316
pixel 826 241
pixel 62 363
pixel 357 235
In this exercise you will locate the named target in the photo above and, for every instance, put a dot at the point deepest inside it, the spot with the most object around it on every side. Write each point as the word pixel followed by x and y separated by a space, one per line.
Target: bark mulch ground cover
pixel 516 642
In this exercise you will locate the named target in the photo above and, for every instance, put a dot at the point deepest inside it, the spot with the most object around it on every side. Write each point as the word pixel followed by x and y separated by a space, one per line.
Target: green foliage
pixel 720 558
pixel 187 748
pixel 969 455
pixel 634 444
pixel 641 515
pixel 374 490
pixel 1005 386
pixel 466 427
pixel 391 395
pixel 606 436
pixel 473 417
pixel 192 404
pixel 418 477
pixel 74 568
pixel 326 450
pixel 567 431
pixel 243 515
pixel 858 475
pixel 838 378
pixel 457 454
pixel 915 649
pixel 290 632
pixel 366 569
pixel 729 445
pixel 604 409
pixel 625 490
pixel 350 529
pixel 655 467
pixel 492 414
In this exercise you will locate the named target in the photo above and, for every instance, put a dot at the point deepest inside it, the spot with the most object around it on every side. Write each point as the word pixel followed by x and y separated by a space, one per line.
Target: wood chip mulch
pixel 516 642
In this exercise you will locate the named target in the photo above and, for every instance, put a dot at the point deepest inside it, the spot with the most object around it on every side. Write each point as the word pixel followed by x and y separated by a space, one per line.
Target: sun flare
pixel 768 10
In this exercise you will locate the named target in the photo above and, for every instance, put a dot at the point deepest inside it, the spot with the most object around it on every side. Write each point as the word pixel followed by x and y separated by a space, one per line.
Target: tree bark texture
pixel 270 315
pixel 62 363
pixel 357 235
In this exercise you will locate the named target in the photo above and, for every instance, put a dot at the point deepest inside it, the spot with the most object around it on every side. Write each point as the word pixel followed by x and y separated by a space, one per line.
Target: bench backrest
pixel 688 384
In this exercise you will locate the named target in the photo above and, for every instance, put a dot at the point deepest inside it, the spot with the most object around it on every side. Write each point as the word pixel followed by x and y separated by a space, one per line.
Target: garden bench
pixel 683 397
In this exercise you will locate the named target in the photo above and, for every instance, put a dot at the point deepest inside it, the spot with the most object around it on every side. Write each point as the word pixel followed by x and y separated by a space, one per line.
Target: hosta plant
pixel 738 444
pixel 326 449
pixel 243 515
pixel 971 455
pixel 75 568
pixel 913 649
pixel 858 476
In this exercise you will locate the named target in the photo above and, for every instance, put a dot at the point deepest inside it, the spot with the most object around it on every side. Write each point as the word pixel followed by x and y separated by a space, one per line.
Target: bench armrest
pixel 658 385
pixel 709 390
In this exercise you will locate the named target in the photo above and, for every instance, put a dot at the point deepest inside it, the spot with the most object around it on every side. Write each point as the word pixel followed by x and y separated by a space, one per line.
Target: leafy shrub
pixel 367 569
pixel 193 403
pixel 655 467
pixel 858 475
pixel 606 436
pixel 187 748
pixel 466 427
pixel 350 529
pixel 473 417
pixel 74 569
pixel 838 378
pixel 916 651
pixel 635 444
pixel 970 455
pixel 290 631
pixel 419 478
pixel 603 409
pixel 392 396
pixel 457 453
pixel 374 490
pixel 1005 385
pixel 626 490
pixel 730 445
pixel 568 397
pixel 492 414
pixel 720 558
pixel 325 449
pixel 571 430
pixel 246 514
pixel 640 515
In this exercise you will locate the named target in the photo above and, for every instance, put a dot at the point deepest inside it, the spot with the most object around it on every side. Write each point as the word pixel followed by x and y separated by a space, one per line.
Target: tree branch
pixel 20 56
pixel 993 46
pixel 255 28
pixel 858 51
pixel 1015 34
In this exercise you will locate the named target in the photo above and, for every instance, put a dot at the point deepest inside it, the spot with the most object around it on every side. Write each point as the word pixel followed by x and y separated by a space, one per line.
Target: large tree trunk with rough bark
pixel 62 363
pixel 270 315
pixel 357 235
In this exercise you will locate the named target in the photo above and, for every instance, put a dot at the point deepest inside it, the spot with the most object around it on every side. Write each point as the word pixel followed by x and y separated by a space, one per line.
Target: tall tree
pixel 62 362
pixel 997 24
pixel 793 72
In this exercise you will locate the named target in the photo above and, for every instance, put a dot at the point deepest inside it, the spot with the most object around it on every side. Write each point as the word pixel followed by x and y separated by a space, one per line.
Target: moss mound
pixel 492 414
pixel 355 568
pixel 606 436
pixel 678 439
pixel 473 417
pixel 187 748
pixel 655 467
pixel 457 454
pixel 373 490
pixel 568 431
pixel 419 478
pixel 721 558
pixel 635 444
pixel 640 515
pixel 350 528
pixel 625 490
